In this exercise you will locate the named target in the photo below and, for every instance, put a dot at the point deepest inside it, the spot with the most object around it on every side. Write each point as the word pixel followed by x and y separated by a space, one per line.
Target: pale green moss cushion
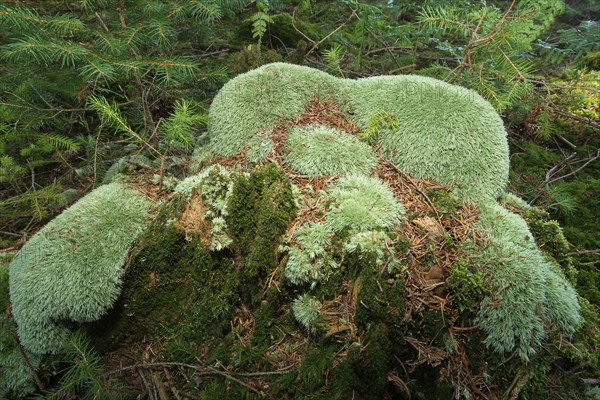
pixel 255 101
pixel 360 203
pixel 71 269
pixel 528 292
pixel 319 151
pixel 433 130
pixel 440 131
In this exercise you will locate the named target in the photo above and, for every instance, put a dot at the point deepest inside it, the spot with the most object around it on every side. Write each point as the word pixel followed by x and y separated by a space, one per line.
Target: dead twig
pixel 570 174
pixel 316 45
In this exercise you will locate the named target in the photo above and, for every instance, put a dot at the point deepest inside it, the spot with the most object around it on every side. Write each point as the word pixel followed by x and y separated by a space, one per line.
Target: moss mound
pixel 345 241
pixel 439 131
pixel 16 381
pixel 70 271
pixel 320 151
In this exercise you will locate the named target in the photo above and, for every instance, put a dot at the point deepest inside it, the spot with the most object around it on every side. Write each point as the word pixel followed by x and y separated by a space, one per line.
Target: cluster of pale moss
pixel 70 271
pixel 214 184
pixel 439 131
pixel 427 128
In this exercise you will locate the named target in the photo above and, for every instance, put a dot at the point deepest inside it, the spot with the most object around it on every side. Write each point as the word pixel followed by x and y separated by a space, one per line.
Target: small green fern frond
pixel 260 19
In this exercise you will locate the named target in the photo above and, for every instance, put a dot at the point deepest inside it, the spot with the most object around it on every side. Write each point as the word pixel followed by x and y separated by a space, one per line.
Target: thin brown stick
pixel 576 118
pixel 146 384
pixel 32 370
pixel 570 174
pixel 332 33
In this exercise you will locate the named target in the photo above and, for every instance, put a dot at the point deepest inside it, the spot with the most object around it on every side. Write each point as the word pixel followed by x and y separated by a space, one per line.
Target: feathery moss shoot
pixel 71 269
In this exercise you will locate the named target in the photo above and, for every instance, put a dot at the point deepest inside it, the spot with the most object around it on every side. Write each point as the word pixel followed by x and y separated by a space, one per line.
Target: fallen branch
pixel 202 370
pixel 588 161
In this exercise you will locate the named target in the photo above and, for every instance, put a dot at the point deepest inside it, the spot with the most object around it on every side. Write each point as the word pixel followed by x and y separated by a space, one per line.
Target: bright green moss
pixel 360 203
pixel 550 238
pixel 319 151
pixel 468 286
pixel 255 101
pixel 527 292
pixel 71 269
pixel 252 57
pixel 440 131
pixel 445 203
pixel 173 286
pixel 261 207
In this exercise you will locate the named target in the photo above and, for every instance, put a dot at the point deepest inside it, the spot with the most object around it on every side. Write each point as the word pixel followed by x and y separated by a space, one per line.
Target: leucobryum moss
pixel 360 203
pixel 432 130
pixel 308 260
pixel 319 151
pixel 528 292
pixel 214 184
pixel 440 131
pixel 16 380
pixel 357 207
pixel 255 101
pixel 306 310
pixel 71 269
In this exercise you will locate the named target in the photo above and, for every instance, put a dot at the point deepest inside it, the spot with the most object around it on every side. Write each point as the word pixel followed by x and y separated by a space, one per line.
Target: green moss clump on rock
pixel 441 131
pixel 171 285
pixel 255 101
pixel 467 285
pixel 361 203
pixel 70 271
pixel 252 57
